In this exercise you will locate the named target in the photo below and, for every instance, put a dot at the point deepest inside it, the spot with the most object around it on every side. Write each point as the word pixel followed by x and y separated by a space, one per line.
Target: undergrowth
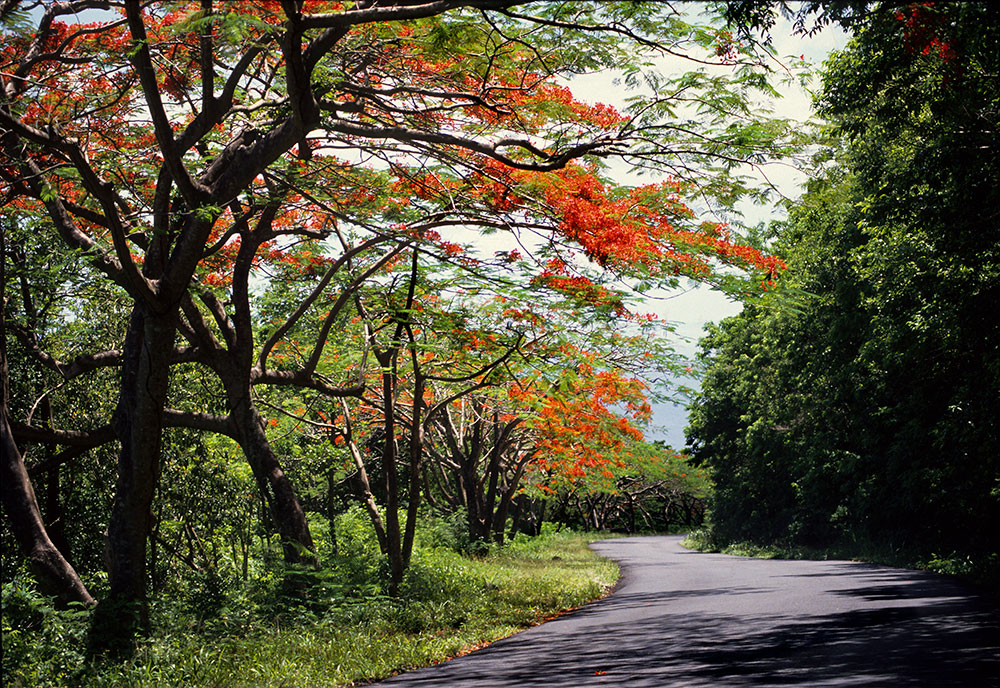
pixel 335 627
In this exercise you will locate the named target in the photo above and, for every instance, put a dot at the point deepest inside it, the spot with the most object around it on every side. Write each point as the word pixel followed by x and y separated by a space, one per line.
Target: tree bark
pixel 416 455
pixel 138 423
pixel 364 486
pixel 394 544
pixel 289 517
pixel 55 575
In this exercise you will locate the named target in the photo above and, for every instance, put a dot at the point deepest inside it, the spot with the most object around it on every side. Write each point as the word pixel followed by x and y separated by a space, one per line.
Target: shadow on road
pixel 896 647
pixel 907 629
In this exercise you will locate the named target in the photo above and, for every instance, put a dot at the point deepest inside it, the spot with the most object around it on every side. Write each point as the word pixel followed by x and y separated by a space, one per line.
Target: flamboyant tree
pixel 490 387
pixel 175 146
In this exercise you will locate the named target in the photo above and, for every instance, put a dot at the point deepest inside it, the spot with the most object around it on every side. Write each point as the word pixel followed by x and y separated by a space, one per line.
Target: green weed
pixel 332 628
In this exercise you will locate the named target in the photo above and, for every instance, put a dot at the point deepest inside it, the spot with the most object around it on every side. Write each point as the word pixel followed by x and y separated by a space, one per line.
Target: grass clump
pixel 337 629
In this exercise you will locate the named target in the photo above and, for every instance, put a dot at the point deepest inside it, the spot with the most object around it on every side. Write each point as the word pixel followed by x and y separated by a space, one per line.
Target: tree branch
pixel 549 161
pixel 194 193
pixel 399 12
pixel 316 292
pixel 70 438
pixel 221 425
pixel 301 378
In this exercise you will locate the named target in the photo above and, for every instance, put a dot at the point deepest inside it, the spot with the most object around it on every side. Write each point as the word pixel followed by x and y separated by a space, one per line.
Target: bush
pixel 358 561
pixel 42 645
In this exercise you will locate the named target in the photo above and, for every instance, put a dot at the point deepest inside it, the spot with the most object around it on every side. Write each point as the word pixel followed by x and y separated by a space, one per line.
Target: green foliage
pixel 358 557
pixel 865 416
pixel 983 571
pixel 652 490
pixel 42 646
pixel 325 629
pixel 451 531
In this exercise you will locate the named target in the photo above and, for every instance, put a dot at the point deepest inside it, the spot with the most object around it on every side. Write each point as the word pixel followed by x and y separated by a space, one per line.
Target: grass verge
pixel 450 604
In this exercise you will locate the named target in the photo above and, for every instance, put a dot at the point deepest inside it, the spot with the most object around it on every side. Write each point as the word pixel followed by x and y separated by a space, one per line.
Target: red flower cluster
pixel 924 31
pixel 638 227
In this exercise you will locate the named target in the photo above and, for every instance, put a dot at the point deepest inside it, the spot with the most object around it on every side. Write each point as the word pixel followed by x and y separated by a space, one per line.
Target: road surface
pixel 683 618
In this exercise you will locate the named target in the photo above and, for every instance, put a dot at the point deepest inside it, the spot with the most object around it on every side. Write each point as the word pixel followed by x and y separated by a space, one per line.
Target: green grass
pixel 449 604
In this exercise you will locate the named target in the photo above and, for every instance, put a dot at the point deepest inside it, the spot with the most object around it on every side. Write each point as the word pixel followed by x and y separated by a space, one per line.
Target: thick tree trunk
pixel 515 519
pixel 479 522
pixel 509 496
pixel 537 511
pixel 500 518
pixel 139 425
pixel 55 575
pixel 416 455
pixel 492 477
pixel 474 500
pixel 289 517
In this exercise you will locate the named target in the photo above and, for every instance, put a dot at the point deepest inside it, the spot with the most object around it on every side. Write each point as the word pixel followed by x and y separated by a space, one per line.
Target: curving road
pixel 682 618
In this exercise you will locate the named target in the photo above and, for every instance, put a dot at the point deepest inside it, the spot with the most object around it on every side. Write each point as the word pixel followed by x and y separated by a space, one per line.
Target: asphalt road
pixel 682 618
